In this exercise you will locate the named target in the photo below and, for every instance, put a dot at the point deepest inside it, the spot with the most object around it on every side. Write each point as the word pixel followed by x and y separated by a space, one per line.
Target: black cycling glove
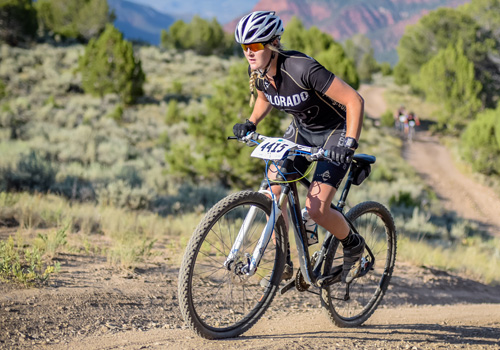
pixel 341 154
pixel 242 129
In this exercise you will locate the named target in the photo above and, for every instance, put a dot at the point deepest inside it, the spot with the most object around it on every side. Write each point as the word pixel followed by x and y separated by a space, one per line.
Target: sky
pixel 224 10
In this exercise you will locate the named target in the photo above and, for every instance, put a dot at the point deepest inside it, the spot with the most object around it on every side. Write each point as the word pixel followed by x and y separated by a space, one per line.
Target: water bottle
pixel 311 227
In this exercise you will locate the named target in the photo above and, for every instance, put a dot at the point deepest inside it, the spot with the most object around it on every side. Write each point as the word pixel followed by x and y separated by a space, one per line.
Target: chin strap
pixel 262 74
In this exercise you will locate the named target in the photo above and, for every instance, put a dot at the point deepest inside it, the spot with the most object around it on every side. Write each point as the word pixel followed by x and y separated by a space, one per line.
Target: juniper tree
pixel 109 66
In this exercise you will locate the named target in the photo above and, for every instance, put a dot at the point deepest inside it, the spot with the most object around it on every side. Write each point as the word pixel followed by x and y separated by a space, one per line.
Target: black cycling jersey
pixel 301 83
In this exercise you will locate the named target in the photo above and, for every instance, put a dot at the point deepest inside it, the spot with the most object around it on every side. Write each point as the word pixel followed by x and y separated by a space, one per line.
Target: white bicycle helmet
pixel 258 27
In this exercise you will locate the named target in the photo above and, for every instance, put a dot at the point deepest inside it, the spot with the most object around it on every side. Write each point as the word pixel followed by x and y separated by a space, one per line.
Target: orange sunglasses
pixel 253 47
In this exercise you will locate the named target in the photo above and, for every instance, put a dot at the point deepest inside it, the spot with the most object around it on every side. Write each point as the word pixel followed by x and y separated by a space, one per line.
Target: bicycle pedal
pixel 335 277
pixel 287 287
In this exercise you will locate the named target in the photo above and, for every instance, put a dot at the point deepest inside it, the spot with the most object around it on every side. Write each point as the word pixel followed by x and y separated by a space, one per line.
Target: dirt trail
pixel 90 306
pixel 459 194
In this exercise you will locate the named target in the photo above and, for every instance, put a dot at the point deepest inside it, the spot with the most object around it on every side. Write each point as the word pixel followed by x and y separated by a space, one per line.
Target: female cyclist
pixel 326 112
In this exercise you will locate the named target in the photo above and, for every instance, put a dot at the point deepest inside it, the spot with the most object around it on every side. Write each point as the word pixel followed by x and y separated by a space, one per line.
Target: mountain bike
pixel 233 264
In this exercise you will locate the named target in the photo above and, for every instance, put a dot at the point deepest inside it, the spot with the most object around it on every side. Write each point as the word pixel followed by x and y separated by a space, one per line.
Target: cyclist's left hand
pixel 341 154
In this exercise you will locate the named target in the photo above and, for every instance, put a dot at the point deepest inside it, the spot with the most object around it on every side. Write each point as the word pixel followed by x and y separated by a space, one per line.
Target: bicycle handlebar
pixel 310 153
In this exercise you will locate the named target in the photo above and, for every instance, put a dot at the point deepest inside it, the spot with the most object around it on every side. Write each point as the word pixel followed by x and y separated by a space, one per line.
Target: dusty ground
pixel 89 306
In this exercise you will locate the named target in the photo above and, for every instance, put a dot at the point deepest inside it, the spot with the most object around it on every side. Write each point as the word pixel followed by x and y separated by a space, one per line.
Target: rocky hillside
pixel 383 21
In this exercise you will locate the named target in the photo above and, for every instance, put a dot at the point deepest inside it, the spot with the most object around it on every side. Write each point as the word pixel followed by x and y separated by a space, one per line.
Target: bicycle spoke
pixel 375 224
pixel 223 300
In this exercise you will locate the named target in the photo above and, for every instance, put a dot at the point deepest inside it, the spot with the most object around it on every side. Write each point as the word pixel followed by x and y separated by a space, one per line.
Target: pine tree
pixel 109 66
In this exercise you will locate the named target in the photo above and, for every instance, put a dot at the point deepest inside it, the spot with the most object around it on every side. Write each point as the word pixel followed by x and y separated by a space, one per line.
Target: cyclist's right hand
pixel 242 129
pixel 340 154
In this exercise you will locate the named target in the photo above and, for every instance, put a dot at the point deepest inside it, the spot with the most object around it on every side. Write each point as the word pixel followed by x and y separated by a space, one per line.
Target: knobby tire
pixel 375 223
pixel 215 302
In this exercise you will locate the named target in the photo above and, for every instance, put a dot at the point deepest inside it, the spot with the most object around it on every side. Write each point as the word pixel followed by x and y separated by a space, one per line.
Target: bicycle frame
pixel 288 193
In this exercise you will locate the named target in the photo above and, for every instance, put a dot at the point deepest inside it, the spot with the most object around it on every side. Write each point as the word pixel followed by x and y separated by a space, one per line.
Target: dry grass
pixel 473 257
pixel 126 238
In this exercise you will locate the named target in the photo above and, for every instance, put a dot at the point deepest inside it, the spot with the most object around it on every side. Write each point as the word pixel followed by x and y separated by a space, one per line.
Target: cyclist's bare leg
pixel 318 201
pixel 276 190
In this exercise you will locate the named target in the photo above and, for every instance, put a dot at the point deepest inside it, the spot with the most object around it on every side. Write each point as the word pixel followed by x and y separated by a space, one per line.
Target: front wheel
pixel 350 306
pixel 217 302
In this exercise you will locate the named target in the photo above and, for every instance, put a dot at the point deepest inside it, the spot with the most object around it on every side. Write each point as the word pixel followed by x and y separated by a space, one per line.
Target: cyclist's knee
pixel 316 212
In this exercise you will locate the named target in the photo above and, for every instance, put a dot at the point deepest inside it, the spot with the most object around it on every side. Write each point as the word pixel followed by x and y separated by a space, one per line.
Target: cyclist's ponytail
pixel 253 77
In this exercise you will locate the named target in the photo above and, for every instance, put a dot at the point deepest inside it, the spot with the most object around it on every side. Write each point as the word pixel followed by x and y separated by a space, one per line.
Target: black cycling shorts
pixel 330 173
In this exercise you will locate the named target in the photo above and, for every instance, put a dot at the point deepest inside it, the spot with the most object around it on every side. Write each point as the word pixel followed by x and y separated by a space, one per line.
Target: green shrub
pixel 24 265
pixel 202 36
pixel 131 176
pixel 33 174
pixel 385 69
pixel 189 198
pixel 82 19
pixel 3 89
pixel 117 113
pixel 401 74
pixel 173 113
pixel 119 194
pixel 403 199
pixel 387 119
pixel 50 243
pixel 481 142
pixel 74 188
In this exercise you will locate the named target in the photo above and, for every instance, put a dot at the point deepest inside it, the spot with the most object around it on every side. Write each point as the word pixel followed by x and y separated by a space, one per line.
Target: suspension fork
pixel 254 259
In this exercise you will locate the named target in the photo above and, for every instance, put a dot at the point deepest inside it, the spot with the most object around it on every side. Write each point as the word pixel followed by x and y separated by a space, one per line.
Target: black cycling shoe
pixel 287 274
pixel 352 260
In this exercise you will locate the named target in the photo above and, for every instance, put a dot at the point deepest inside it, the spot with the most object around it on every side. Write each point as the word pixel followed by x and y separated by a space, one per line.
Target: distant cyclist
pixel 400 118
pixel 326 111
pixel 412 122
pixel 413 119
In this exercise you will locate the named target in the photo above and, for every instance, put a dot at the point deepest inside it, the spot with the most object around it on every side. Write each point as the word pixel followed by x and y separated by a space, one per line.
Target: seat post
pixel 341 203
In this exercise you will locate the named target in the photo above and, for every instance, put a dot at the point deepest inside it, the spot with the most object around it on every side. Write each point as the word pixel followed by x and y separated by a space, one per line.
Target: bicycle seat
pixel 364 158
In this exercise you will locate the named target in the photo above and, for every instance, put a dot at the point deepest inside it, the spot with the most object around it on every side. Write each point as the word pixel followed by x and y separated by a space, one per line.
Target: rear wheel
pixel 374 222
pixel 217 302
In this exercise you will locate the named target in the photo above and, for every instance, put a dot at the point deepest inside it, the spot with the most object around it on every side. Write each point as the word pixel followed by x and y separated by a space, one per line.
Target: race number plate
pixel 272 149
